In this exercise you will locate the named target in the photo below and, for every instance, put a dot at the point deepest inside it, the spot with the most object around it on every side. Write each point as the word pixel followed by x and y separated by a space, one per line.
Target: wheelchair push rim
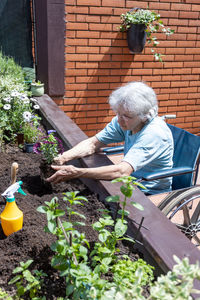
pixel 184 212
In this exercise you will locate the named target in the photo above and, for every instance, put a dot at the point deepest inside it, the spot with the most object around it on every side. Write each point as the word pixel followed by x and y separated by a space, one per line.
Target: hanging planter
pixel 141 24
pixel 136 38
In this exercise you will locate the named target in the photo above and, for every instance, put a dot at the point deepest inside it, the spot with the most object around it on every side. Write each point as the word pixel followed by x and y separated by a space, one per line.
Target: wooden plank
pixel 49 44
pixel 160 237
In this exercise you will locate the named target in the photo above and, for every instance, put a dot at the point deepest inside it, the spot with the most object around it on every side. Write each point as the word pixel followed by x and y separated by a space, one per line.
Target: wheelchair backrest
pixel 186 153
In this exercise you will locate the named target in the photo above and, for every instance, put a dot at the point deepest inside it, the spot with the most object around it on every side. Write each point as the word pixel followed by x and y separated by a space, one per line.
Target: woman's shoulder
pixel 158 128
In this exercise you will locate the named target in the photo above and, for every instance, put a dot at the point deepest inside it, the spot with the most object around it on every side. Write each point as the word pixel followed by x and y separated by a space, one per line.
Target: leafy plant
pixel 84 271
pixel 31 132
pixel 177 283
pixel 85 280
pixel 16 105
pixel 152 22
pixel 9 67
pixel 125 270
pixel 15 111
pixel 4 295
pixel 26 282
pixel 127 188
pixel 38 83
pixel 49 146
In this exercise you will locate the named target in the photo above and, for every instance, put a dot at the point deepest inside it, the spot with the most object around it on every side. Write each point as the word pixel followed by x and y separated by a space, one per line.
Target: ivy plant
pixel 153 24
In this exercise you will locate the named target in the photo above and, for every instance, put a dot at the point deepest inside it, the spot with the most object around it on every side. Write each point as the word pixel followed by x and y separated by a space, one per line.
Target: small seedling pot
pixel 37 89
pixel 28 147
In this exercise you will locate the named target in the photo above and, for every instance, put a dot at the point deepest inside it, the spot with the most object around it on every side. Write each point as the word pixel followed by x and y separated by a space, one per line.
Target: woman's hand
pixel 60 160
pixel 63 173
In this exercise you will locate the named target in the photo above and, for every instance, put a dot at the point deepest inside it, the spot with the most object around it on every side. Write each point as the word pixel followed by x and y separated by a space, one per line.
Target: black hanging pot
pixel 136 37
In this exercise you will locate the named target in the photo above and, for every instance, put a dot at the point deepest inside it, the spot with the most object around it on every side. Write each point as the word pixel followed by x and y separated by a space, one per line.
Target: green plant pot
pixel 37 90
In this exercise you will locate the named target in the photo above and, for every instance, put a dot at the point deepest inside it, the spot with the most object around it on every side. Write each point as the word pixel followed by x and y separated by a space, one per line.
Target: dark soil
pixel 32 242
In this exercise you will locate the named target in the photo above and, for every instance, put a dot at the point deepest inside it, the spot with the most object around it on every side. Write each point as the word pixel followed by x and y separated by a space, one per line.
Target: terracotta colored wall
pixel 97 60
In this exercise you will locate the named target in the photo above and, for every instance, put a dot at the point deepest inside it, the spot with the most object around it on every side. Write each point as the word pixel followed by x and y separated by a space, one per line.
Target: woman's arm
pixel 65 173
pixel 82 149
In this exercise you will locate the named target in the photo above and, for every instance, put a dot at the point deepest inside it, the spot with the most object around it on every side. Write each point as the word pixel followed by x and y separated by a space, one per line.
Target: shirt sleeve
pixel 112 133
pixel 146 149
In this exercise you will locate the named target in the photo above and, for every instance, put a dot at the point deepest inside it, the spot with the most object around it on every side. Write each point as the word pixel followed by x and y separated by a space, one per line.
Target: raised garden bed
pixel 32 242
pixel 160 238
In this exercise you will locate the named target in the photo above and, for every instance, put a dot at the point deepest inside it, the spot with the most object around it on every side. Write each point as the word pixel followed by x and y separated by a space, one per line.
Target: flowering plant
pixel 49 146
pixel 16 106
pixel 16 109
pixel 31 132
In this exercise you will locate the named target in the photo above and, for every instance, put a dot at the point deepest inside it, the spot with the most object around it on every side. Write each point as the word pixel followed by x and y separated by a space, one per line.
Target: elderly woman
pixel 148 142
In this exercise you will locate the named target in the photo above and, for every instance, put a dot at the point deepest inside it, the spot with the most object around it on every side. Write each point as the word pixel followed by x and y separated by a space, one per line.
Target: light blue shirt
pixel 150 149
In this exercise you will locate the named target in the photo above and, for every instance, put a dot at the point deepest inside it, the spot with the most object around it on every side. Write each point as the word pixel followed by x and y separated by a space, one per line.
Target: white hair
pixel 137 98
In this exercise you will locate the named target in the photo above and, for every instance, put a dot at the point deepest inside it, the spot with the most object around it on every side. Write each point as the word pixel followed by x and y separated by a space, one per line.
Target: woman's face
pixel 128 121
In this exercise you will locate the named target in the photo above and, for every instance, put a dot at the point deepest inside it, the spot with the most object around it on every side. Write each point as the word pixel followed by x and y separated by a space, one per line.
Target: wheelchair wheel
pixel 183 209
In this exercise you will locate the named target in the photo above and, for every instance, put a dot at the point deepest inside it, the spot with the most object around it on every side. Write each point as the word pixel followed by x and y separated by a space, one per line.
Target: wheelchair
pixel 182 204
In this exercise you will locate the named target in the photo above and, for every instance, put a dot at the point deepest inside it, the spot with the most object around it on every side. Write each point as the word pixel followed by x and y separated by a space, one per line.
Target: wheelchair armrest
pixel 168 173
pixel 114 150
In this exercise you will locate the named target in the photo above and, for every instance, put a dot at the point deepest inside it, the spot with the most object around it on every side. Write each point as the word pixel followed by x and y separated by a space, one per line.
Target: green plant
pixel 26 282
pixel 104 253
pixel 11 77
pixel 127 188
pixel 125 270
pixel 83 271
pixel 178 283
pixel 15 103
pixel 87 281
pixel 49 146
pixel 86 274
pixel 15 110
pixel 4 295
pixel 152 22
pixel 16 106
pixel 31 133
pixel 37 83
pixel 9 67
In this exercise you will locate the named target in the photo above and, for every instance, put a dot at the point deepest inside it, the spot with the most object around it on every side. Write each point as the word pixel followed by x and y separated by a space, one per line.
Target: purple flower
pixel 60 145
pixel 36 148
pixel 51 131
pixel 50 146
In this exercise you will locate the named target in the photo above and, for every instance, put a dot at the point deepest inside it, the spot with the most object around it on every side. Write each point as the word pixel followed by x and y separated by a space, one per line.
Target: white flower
pixel 34 100
pixel 23 97
pixel 27 116
pixel 15 94
pixel 26 101
pixel 7 106
pixel 7 99
pixel 36 106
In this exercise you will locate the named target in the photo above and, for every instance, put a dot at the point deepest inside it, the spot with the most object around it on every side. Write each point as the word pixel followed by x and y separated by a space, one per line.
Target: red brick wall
pixel 97 60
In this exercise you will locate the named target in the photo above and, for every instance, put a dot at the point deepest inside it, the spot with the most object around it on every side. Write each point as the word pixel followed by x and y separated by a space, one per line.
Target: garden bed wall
pixel 161 239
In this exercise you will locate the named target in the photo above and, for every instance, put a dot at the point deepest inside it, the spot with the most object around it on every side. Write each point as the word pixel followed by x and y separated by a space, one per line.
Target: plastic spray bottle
pixel 12 216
